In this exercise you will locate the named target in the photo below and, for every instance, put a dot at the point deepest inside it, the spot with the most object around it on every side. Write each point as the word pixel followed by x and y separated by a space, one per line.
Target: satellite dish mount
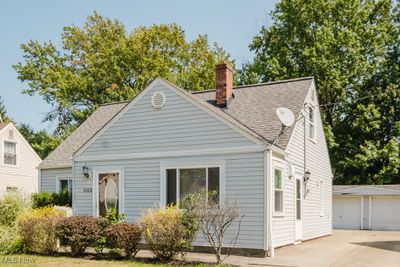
pixel 287 119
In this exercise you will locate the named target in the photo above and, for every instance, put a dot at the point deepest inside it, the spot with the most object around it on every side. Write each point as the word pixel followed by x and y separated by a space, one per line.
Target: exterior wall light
pixel 85 171
pixel 307 176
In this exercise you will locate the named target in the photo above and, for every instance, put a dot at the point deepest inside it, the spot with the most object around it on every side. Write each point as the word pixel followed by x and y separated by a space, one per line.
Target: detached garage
pixel 366 207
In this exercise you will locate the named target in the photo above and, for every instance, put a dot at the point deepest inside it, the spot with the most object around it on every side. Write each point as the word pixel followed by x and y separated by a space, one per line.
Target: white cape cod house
pixel 168 142
pixel 19 162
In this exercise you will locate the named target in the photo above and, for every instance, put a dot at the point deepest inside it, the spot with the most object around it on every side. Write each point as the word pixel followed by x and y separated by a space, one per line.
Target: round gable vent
pixel 158 100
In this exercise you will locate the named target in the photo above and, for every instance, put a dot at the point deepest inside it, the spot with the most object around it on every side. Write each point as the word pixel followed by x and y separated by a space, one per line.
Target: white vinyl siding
pixel 321 198
pixel 313 224
pixel 23 174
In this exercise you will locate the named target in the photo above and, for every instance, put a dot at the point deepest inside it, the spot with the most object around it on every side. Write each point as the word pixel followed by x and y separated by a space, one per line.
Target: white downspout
pixel 268 196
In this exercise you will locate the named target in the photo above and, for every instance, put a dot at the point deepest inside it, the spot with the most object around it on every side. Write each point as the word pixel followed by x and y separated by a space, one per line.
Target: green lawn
pixel 33 260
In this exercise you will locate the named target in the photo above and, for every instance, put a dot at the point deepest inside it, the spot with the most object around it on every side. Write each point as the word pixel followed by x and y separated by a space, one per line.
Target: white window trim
pixel 16 150
pixel 62 178
pixel 313 123
pixel 322 198
pixel 164 166
pixel 274 212
pixel 96 173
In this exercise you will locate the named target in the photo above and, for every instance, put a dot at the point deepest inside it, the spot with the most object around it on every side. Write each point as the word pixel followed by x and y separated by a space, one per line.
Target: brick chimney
pixel 224 84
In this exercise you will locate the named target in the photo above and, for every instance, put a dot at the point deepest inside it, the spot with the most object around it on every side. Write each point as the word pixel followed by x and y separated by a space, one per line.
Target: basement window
pixel 10 153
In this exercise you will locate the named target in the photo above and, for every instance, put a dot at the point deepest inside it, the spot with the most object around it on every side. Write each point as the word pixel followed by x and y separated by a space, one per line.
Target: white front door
pixel 298 227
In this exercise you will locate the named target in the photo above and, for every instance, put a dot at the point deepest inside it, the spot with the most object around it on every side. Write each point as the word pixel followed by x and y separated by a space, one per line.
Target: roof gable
pixel 62 156
pixel 255 106
pixel 9 125
pixel 132 124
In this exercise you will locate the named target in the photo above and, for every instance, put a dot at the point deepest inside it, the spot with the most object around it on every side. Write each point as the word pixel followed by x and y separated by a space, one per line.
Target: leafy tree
pixel 42 142
pixel 3 112
pixel 101 62
pixel 346 46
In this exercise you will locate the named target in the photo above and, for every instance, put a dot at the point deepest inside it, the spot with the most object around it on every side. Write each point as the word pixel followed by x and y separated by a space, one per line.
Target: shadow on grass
pixel 386 245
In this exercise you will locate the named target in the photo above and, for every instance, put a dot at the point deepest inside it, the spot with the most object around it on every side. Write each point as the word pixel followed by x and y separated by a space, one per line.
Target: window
pixel 311 122
pixel 278 191
pixel 298 199
pixel 10 153
pixel 64 184
pixel 321 196
pixel 11 189
pixel 185 181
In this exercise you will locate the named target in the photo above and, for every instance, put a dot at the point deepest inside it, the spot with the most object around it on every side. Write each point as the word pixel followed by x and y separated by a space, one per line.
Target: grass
pixel 47 261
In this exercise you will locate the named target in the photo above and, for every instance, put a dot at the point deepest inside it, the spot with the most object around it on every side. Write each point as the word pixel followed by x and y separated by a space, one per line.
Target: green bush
pixel 79 232
pixel 167 231
pixel 10 241
pixel 44 199
pixel 38 230
pixel 124 236
pixel 11 207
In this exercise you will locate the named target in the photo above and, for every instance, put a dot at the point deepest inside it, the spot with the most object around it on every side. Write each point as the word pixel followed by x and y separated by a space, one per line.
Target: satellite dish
pixel 286 116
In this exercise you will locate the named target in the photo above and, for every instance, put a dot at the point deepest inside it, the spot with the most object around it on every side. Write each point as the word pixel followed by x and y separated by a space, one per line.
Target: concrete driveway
pixel 342 248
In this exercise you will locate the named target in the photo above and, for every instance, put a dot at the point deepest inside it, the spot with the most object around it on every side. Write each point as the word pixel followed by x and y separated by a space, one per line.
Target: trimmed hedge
pixel 79 232
pixel 124 236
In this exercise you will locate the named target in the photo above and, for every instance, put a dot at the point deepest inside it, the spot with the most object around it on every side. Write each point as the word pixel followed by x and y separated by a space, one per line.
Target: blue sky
pixel 230 23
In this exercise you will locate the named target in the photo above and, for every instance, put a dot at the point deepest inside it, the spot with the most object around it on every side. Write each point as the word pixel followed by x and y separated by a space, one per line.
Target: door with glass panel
pixel 299 227
pixel 108 194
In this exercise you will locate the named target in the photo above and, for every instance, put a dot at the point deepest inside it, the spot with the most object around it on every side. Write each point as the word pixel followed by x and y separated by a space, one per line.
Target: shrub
pixel 44 199
pixel 10 241
pixel 11 207
pixel 38 230
pixel 125 236
pixel 63 198
pixel 166 232
pixel 79 232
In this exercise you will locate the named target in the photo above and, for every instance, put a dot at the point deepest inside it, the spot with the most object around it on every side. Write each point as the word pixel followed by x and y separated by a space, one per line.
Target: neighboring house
pixel 366 207
pixel 167 142
pixel 19 162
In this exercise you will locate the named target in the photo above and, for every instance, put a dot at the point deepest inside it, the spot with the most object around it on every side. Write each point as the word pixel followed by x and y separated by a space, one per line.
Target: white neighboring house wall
pixel 315 222
pixel 24 175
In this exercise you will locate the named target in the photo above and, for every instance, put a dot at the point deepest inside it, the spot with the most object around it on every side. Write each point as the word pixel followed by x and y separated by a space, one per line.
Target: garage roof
pixel 360 190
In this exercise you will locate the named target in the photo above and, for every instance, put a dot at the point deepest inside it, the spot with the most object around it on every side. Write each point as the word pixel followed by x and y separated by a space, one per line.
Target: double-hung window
pixel 182 182
pixel 10 153
pixel 311 122
pixel 278 188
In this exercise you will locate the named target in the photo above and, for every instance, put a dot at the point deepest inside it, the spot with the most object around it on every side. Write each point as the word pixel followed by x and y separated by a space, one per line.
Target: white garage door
pixel 346 212
pixel 385 213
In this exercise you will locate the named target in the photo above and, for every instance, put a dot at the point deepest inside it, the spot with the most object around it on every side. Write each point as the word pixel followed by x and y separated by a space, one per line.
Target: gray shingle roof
pixel 384 186
pixel 61 156
pixel 255 106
